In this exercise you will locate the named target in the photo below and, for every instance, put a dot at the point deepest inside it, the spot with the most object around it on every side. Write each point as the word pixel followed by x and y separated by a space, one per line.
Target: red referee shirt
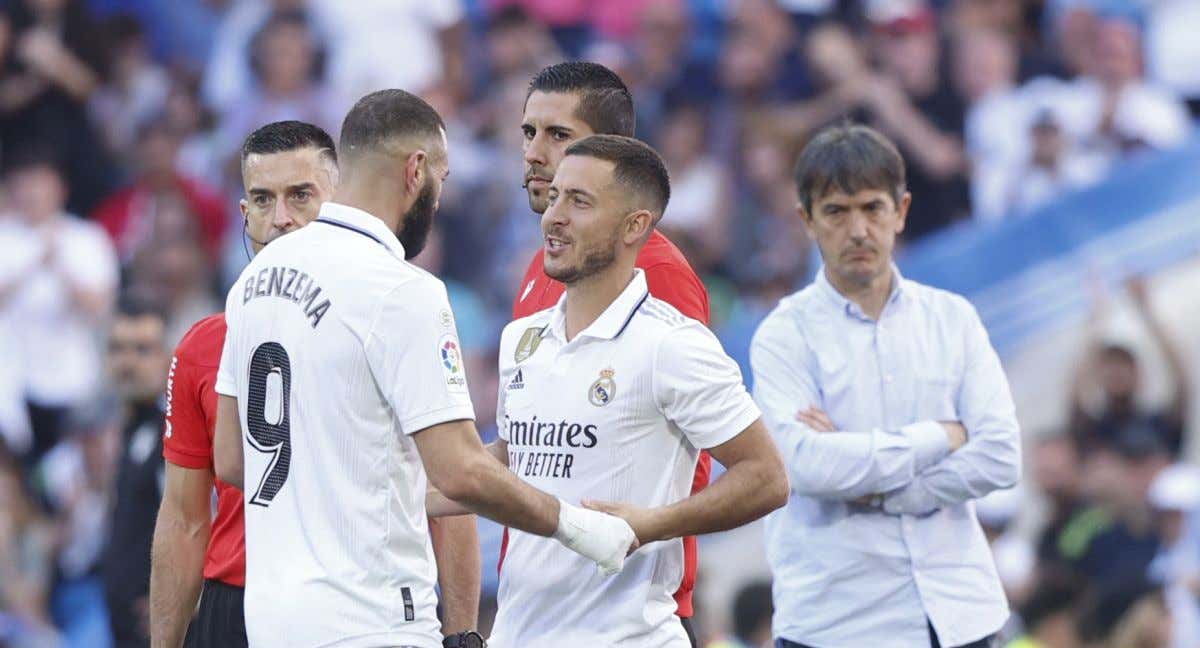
pixel 188 441
pixel 672 280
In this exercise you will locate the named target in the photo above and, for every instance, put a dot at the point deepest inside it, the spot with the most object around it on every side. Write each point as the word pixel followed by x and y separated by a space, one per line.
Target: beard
pixel 596 258
pixel 416 223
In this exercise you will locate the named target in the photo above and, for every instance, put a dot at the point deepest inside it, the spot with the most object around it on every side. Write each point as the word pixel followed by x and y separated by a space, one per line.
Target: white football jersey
pixel 338 350
pixel 619 413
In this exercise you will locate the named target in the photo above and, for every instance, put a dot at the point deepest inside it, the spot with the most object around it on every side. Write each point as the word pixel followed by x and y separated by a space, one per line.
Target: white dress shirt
pixel 847 574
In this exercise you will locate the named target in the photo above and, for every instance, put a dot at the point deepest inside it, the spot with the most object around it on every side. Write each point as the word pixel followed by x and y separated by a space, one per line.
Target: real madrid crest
pixel 604 390
pixel 528 344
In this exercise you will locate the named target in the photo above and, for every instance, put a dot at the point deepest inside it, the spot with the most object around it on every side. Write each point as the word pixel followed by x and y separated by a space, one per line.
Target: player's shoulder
pixel 202 344
pixel 660 254
pixel 412 281
pixel 659 319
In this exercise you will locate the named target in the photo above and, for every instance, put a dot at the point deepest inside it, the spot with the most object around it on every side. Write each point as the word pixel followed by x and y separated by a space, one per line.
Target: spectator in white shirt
pixel 1112 109
pixel 893 413
pixel 57 279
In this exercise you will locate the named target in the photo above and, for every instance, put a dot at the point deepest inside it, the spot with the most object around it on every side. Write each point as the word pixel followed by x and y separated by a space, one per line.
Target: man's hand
pixel 641 520
pixel 956 433
pixel 816 418
pixel 603 538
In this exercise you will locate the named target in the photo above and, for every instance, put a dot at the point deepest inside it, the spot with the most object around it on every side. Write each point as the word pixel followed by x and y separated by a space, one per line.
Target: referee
pixel 893 414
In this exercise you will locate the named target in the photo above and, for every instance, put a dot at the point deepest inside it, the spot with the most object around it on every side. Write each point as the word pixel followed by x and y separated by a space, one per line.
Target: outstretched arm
pixel 456 548
pixel 1180 378
pixel 754 484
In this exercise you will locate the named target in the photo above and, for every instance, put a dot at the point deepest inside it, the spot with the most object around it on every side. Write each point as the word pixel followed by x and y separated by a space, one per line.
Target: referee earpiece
pixel 246 229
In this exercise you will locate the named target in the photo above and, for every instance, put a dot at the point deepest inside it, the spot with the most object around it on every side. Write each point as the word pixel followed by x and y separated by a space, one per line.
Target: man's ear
pixel 414 171
pixel 806 218
pixel 902 211
pixel 638 225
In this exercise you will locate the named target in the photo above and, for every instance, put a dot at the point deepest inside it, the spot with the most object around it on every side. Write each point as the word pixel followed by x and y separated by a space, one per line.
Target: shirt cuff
pixel 187 460
pixel 225 387
pixel 929 441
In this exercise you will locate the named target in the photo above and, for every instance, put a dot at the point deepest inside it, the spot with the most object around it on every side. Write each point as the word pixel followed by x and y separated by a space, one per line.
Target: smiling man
pixel 567 102
pixel 892 412
pixel 601 399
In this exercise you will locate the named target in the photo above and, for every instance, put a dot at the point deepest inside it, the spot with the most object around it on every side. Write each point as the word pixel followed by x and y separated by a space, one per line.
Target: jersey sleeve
pixel 226 385
pixel 699 388
pixel 679 287
pixel 415 357
pixel 186 439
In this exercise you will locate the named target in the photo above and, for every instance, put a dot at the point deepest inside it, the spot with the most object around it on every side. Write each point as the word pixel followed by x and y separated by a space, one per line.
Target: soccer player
pixel 610 396
pixel 893 413
pixel 565 103
pixel 341 365
pixel 289 169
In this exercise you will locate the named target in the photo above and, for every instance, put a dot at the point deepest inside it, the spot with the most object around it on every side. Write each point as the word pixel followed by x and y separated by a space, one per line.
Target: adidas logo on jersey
pixel 518 382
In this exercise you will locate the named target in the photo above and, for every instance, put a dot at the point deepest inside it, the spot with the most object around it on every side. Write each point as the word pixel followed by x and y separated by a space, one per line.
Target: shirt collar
pixel 850 308
pixel 613 320
pixel 357 220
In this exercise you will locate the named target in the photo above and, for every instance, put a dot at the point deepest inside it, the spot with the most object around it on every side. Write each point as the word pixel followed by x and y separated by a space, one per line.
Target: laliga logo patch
pixel 603 390
pixel 450 356
pixel 452 364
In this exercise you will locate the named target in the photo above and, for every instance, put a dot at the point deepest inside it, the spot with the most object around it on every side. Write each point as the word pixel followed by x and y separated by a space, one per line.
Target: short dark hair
pixel 751 608
pixel 849 158
pixel 636 166
pixel 384 115
pixel 135 304
pixel 605 104
pixel 284 136
pixel 31 156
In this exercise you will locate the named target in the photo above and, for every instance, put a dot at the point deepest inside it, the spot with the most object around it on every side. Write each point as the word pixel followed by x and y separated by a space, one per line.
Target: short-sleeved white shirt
pixel 59 349
pixel 344 350
pixel 619 413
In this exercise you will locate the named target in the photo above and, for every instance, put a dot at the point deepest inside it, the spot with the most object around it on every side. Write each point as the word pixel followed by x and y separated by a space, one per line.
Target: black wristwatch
pixel 468 639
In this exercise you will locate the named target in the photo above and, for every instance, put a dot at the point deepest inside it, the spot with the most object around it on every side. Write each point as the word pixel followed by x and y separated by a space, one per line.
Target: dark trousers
pixel 687 627
pixel 221 620
pixel 986 642
pixel 48 424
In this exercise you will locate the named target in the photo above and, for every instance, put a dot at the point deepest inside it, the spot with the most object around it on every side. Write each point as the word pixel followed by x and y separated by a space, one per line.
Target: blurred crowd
pixel 120 128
